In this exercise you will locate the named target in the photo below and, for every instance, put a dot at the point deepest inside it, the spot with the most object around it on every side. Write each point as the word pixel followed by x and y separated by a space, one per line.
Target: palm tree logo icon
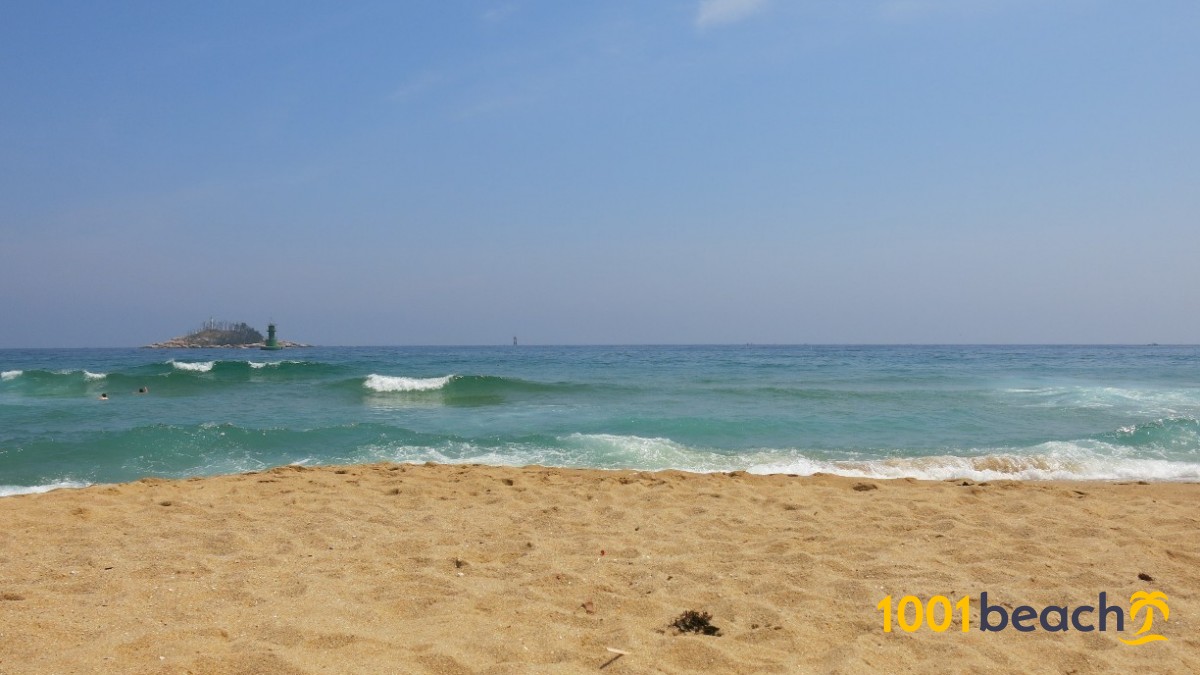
pixel 1142 600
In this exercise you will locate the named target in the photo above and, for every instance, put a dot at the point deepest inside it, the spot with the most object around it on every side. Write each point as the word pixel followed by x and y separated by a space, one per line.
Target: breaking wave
pixel 389 383
pixel 193 367
pixel 209 449
pixel 12 490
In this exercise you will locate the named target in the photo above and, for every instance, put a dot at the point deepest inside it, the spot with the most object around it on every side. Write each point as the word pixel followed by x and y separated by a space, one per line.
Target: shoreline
pixel 451 568
pixel 69 484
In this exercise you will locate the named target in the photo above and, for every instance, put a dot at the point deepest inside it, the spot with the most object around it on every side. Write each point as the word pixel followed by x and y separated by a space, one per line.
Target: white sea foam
pixel 269 364
pixel 257 365
pixel 194 367
pixel 1137 401
pixel 87 375
pixel 638 452
pixel 11 490
pixel 1049 461
pixel 389 384
pixel 1084 460
pixel 600 451
pixel 11 375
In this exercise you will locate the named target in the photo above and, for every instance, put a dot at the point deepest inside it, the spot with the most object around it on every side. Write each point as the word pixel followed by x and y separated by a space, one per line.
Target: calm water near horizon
pixel 980 412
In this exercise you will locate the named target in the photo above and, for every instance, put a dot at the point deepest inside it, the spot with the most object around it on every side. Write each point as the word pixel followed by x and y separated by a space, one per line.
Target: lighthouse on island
pixel 271 344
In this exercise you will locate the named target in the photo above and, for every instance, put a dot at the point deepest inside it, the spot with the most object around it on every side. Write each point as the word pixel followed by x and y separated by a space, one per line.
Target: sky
pixel 616 172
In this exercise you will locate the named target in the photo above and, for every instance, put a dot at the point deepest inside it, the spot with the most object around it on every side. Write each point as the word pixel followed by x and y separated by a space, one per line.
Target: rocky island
pixel 226 335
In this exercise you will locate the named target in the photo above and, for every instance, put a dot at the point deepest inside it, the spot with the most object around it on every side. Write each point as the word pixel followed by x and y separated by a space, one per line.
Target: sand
pixel 473 569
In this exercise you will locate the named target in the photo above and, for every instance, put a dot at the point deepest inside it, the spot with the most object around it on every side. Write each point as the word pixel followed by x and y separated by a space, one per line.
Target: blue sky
pixel 716 171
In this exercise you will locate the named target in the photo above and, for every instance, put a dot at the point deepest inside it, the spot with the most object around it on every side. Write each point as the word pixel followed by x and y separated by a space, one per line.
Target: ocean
pixel 929 412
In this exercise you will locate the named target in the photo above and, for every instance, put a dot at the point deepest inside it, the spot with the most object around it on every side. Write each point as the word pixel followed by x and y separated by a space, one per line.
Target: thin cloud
pixel 904 9
pixel 497 14
pixel 717 12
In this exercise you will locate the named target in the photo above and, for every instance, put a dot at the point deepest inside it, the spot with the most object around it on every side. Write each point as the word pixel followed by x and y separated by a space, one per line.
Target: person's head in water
pixel 143 390
pixel 104 396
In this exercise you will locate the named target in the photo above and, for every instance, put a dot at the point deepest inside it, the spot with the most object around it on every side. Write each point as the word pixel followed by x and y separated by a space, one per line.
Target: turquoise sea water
pixel 923 411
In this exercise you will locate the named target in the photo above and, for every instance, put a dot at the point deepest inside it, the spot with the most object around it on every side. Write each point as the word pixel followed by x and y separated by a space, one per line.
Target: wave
pixel 458 390
pixel 1076 460
pixel 85 374
pixel 193 367
pixel 390 384
pixel 178 378
pixel 1149 401
pixel 1056 461
pixel 209 449
pixel 1052 461
pixel 1168 434
pixel 238 366
pixel 259 365
pixel 1174 456
pixel 52 382
pixel 1167 449
pixel 164 377
pixel 597 451
pixel 12 490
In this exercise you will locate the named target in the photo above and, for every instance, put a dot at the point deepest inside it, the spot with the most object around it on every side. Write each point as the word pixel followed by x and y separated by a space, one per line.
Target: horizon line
pixel 650 344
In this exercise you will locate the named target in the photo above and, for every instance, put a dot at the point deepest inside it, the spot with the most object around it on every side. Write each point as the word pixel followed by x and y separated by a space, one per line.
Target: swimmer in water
pixel 104 396
pixel 143 390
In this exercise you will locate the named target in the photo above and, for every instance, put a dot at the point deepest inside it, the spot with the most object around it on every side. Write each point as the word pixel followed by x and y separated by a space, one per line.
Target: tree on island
pixel 224 334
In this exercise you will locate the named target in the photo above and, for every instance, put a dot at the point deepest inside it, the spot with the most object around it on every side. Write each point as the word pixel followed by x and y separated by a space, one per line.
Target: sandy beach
pixel 477 569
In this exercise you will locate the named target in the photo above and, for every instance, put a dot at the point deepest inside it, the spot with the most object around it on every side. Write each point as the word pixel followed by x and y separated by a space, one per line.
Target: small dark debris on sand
pixel 692 621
